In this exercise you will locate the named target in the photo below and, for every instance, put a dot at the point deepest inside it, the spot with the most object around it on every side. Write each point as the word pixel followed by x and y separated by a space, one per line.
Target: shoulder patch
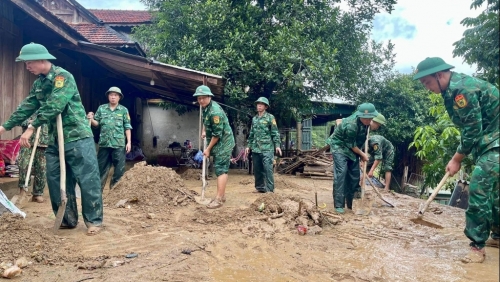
pixel 274 121
pixel 375 147
pixel 461 101
pixel 59 81
pixel 216 119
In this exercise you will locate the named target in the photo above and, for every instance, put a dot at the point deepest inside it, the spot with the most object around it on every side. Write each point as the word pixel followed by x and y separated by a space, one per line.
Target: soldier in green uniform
pixel 220 140
pixel 472 105
pixel 345 144
pixel 380 150
pixel 55 92
pixel 264 140
pixel 38 166
pixel 114 121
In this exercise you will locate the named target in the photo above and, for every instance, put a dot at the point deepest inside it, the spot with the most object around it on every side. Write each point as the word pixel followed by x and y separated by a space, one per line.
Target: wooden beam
pixel 185 74
pixel 37 14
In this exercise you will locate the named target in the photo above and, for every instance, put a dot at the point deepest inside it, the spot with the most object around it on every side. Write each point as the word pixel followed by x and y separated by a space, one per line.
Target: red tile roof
pixel 122 16
pixel 99 34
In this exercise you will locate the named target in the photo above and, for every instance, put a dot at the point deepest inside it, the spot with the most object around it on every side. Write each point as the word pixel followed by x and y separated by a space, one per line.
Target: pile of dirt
pixel 268 215
pixel 191 174
pixel 150 186
pixel 35 243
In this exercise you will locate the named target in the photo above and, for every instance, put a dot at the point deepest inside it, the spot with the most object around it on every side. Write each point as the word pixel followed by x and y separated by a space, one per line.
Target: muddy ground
pixel 254 237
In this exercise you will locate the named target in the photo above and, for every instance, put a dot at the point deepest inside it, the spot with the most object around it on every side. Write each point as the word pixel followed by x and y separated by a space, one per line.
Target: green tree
pixel 479 44
pixel 289 51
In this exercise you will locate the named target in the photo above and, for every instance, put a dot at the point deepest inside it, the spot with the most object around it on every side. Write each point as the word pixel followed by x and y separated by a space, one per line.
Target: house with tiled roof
pixel 110 28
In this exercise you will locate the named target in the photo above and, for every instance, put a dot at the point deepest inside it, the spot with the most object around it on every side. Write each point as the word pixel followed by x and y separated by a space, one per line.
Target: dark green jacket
pixel 113 124
pixel 347 135
pixel 472 105
pixel 379 147
pixel 216 124
pixel 264 135
pixel 54 94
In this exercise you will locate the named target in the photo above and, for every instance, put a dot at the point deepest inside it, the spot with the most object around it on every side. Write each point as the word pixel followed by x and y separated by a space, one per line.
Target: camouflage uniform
pixel 380 149
pixel 263 140
pixel 472 105
pixel 112 141
pixel 38 166
pixel 349 134
pixel 217 125
pixel 53 94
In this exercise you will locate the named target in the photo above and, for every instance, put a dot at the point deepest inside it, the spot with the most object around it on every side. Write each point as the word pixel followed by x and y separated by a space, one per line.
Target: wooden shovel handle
pixel 433 195
pixel 363 183
pixel 62 160
pixel 32 157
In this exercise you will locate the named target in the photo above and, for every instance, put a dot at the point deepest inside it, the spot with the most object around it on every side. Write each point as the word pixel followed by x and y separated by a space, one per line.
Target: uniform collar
pixel 208 106
pixel 117 106
pixel 51 75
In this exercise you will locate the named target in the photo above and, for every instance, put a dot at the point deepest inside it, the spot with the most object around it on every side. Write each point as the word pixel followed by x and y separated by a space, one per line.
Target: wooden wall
pixel 15 81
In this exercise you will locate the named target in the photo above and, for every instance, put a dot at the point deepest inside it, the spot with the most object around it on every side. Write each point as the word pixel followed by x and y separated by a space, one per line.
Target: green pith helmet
pixel 33 52
pixel 430 66
pixel 203 90
pixel 380 119
pixel 366 110
pixel 263 100
pixel 116 90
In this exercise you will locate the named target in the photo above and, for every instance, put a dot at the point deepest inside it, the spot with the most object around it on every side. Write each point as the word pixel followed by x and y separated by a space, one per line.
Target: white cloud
pixel 437 26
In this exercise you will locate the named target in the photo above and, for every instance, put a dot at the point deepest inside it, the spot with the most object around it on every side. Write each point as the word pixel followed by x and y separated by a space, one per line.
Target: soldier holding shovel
pixel 345 143
pixel 472 105
pixel 55 96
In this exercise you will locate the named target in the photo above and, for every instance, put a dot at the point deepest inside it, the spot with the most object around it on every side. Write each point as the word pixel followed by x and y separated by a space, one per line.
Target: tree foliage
pixel 289 51
pixel 480 43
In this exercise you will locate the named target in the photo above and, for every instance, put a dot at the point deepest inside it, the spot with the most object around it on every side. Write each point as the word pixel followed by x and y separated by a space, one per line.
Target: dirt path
pixel 187 242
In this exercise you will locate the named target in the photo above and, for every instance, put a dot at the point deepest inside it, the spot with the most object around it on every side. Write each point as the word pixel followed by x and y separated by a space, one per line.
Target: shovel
pixel 28 173
pixel 62 165
pixel 362 210
pixel 202 200
pixel 423 207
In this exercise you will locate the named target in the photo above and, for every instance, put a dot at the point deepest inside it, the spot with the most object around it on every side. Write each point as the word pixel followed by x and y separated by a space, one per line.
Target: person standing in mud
pixel 345 143
pixel 55 92
pixel 39 165
pixel 264 140
pixel 381 151
pixel 472 105
pixel 115 137
pixel 220 140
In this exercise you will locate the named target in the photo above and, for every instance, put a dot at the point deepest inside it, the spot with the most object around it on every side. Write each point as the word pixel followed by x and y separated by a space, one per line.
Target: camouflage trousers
pixel 38 169
pixel 221 163
pixel 346 175
pixel 107 157
pixel 263 171
pixel 483 213
pixel 81 168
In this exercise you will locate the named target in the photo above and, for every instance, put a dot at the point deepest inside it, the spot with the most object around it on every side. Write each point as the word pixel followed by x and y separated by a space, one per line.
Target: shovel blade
pixel 60 214
pixel 202 200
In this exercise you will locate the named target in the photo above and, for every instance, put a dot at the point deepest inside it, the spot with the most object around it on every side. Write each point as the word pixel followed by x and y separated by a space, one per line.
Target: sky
pixel 419 29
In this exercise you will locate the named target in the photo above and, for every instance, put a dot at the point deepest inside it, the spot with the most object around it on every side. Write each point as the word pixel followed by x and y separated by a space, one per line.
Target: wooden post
pixel 405 178
pixel 299 136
